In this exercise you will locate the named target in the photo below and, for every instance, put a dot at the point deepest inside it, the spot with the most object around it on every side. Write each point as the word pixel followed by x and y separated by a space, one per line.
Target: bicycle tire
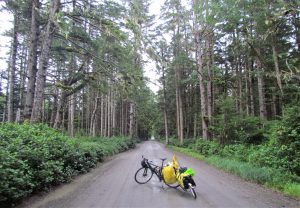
pixel 143 173
pixel 176 185
pixel 193 193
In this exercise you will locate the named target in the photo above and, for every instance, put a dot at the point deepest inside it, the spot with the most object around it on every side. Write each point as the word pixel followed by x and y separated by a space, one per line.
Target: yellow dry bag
pixel 169 175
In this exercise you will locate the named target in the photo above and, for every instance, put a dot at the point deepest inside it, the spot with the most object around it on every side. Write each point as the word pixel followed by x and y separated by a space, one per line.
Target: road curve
pixel 112 185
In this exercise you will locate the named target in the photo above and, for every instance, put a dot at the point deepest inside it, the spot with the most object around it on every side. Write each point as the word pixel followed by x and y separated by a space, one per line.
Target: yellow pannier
pixel 169 174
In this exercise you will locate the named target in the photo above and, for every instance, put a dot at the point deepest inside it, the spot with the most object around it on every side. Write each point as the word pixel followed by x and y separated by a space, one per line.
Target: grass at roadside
pixel 269 177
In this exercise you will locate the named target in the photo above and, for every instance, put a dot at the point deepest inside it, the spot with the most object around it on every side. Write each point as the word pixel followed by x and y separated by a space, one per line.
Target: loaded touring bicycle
pixel 172 174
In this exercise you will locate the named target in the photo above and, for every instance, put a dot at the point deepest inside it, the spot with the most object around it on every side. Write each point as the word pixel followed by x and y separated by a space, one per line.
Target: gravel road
pixel 112 185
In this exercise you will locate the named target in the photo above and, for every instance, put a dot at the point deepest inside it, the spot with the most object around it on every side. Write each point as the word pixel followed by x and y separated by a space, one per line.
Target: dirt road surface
pixel 112 184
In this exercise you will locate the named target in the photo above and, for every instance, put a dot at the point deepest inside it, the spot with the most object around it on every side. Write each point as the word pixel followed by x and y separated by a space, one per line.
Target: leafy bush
pixel 36 157
pixel 272 177
pixel 206 147
pixel 231 128
pixel 238 151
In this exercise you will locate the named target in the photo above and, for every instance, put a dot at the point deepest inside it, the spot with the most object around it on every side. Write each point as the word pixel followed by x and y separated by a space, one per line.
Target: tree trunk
pixel 113 114
pixel 71 116
pixel 165 108
pixel 250 80
pixel 32 59
pixel 60 110
pixel 199 58
pixel 105 114
pixel 102 116
pixel 12 72
pixel 109 114
pixel 209 63
pixel 43 64
pixel 247 89
pixel 126 127
pixel 54 110
pixel 179 113
pixel 131 119
pixel 22 77
pixel 121 118
pixel 93 118
pixel 277 70
pixel 261 92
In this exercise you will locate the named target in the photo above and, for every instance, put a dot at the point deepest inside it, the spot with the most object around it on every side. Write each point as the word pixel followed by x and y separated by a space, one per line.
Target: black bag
pixel 188 179
pixel 144 163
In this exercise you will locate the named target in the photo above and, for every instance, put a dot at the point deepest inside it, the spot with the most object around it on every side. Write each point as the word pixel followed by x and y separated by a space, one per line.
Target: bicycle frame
pixel 155 168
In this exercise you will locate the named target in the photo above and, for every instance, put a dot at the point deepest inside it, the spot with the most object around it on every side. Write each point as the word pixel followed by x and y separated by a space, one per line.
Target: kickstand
pixel 165 188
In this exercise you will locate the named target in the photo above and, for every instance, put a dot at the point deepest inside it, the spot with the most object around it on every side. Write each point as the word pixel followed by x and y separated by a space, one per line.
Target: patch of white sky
pixel 6 19
pixel 150 66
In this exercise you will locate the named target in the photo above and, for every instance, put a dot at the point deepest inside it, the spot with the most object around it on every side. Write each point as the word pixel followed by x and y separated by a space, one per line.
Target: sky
pixel 5 24
pixel 154 85
pixel 6 19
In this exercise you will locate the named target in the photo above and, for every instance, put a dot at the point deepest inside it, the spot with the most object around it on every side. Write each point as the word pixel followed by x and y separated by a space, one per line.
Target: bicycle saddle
pixel 163 159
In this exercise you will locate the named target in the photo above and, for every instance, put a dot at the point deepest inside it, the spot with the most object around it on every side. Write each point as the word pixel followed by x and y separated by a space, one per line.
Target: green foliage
pixel 206 147
pixel 268 154
pixel 292 189
pixel 231 127
pixel 188 152
pixel 36 157
pixel 271 177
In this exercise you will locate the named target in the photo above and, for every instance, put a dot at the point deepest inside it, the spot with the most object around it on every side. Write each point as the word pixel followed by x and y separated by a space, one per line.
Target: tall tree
pixel 36 115
pixel 200 32
pixel 32 58
pixel 12 72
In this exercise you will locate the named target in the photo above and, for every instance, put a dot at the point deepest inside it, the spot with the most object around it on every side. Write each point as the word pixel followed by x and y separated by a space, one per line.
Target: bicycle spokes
pixel 145 172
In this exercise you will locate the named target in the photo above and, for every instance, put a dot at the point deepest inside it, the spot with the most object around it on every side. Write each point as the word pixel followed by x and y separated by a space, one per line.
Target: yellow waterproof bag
pixel 169 175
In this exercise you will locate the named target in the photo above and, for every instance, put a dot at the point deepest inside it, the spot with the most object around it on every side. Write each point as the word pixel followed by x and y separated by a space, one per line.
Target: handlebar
pixel 151 162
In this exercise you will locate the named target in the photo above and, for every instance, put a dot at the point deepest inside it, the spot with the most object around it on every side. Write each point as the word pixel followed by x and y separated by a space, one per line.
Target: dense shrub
pixel 275 146
pixel 36 157
pixel 231 128
pixel 289 138
pixel 206 147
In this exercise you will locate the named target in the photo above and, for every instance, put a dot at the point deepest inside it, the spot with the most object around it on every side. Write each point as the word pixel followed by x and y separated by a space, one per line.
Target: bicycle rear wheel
pixel 143 175
pixel 192 189
pixel 193 193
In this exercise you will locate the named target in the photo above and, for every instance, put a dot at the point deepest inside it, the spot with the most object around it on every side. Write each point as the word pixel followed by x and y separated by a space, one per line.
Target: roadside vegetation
pixel 265 153
pixel 34 158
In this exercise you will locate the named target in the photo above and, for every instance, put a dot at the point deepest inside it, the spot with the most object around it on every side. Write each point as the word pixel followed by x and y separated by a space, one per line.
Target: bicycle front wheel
pixel 143 175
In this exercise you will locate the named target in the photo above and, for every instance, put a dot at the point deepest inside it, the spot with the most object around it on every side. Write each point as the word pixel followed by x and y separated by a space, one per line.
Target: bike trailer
pixel 169 176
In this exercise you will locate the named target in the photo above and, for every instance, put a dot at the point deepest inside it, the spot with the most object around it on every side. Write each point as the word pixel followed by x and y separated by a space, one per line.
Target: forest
pixel 229 77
